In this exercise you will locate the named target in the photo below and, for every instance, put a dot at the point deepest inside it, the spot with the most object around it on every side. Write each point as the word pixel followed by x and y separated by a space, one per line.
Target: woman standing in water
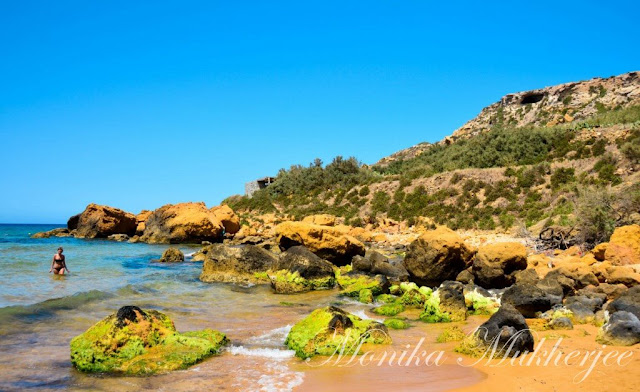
pixel 58 265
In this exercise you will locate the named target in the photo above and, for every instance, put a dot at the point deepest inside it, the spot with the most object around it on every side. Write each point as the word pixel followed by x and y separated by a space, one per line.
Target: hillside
pixel 532 160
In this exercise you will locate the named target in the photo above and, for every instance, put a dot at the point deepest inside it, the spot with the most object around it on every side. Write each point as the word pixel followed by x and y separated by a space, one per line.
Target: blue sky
pixel 139 105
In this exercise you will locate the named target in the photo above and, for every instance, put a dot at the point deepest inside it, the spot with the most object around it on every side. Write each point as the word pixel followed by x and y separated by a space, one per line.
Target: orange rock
pixel 98 221
pixel 327 242
pixel 184 222
pixel 227 217
pixel 599 251
pixel 624 246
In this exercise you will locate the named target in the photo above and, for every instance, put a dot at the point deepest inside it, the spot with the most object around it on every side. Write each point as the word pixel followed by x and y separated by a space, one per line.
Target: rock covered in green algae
pixel 140 342
pixel 395 323
pixel 391 309
pixel 445 305
pixel 353 282
pixel 331 330
pixel 480 301
pixel 299 270
pixel 412 295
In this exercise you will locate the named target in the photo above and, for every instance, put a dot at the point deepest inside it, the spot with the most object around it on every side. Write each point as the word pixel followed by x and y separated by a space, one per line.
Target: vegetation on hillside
pixel 528 190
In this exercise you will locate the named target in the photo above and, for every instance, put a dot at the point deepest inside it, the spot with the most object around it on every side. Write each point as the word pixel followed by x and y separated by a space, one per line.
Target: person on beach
pixel 58 264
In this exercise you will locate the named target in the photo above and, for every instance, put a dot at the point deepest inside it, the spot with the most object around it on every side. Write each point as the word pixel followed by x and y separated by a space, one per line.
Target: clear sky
pixel 137 104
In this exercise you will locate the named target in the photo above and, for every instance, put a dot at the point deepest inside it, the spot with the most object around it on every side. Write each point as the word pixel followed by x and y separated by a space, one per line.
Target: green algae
pixel 285 281
pixel 365 296
pixel 479 304
pixel 451 334
pixel 435 312
pixel 149 344
pixel 330 330
pixel 395 323
pixel 389 309
pixel 387 299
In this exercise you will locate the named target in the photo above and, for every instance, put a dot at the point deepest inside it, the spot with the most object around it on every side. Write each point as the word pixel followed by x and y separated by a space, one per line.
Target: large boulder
pixel 246 264
pixel 327 242
pixel 624 246
pixel 331 330
pixel 505 334
pixel 622 329
pixel 495 265
pixel 299 270
pixel 98 221
pixel 446 304
pixel 529 299
pixel 181 223
pixel 225 215
pixel 140 342
pixel 353 283
pixel 436 256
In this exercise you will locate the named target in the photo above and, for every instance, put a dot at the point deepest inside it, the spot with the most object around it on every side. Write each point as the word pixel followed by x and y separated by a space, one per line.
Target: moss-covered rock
pixel 331 330
pixel 389 309
pixel 139 342
pixel 386 299
pixel 352 283
pixel 365 296
pixel 287 282
pixel 445 305
pixel 415 296
pixel 453 334
pixel 479 301
pixel 395 323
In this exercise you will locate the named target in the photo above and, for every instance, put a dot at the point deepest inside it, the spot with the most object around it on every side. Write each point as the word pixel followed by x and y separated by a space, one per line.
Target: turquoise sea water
pixel 40 313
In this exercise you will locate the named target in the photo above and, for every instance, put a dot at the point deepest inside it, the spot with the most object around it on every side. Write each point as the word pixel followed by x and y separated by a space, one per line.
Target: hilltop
pixel 529 161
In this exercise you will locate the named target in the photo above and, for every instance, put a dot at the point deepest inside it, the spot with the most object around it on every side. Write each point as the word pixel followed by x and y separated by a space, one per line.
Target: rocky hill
pixel 553 157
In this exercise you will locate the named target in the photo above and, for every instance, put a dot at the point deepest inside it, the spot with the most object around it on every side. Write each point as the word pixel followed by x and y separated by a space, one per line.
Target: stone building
pixel 261 183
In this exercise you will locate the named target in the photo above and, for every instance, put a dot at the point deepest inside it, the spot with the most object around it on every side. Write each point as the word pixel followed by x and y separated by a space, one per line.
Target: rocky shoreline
pixel 439 276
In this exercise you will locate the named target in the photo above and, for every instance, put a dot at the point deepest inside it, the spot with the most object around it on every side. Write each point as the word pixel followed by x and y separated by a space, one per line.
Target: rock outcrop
pixel 436 256
pixel 327 242
pixel 320 219
pixel 446 304
pixel 141 342
pixel 98 221
pixel 182 223
pixel 622 329
pixel 59 232
pixel 495 265
pixel 331 330
pixel 299 270
pixel 246 264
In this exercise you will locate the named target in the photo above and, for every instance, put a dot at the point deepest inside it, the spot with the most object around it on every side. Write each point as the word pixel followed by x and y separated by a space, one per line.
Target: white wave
pixel 189 255
pixel 273 337
pixel 280 379
pixel 360 313
pixel 271 353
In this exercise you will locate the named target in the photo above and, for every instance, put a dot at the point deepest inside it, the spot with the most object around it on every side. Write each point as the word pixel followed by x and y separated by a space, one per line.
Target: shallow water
pixel 40 313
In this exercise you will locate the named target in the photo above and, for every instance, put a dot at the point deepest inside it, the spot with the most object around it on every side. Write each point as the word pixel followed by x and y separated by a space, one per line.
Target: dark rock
pixel 301 260
pixel 508 331
pixel 529 276
pixel 465 277
pixel 172 255
pixel 529 299
pixel 561 323
pixel 628 302
pixel 581 313
pixel 360 263
pixel 622 329
pixel 592 303
pixel 129 313
pixel 246 264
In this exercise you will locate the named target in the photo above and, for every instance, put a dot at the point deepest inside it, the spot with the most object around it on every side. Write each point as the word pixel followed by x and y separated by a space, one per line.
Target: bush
pixel 595 216
pixel 562 176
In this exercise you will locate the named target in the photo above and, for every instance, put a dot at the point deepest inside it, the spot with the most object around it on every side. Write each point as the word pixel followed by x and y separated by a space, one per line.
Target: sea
pixel 40 313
